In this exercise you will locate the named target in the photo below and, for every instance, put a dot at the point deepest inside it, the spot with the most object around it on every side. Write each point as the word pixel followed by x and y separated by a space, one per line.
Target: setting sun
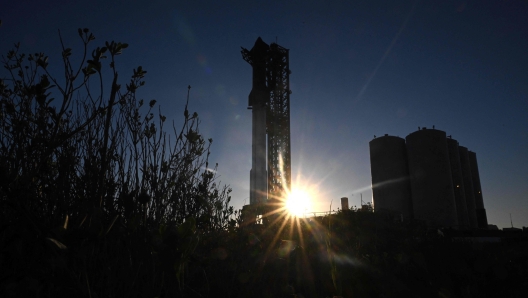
pixel 298 202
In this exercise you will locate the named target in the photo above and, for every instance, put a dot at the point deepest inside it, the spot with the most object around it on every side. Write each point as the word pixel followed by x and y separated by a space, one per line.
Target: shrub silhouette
pixel 70 149
pixel 90 176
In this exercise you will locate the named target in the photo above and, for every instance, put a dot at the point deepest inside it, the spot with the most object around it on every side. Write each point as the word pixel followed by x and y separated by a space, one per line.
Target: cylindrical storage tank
pixel 482 220
pixel 344 203
pixel 458 183
pixel 468 186
pixel 390 176
pixel 433 198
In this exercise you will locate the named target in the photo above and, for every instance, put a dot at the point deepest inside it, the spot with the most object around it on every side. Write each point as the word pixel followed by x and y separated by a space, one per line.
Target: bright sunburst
pixel 298 202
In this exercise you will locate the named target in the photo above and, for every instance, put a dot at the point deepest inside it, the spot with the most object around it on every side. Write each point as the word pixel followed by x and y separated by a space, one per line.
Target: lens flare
pixel 298 202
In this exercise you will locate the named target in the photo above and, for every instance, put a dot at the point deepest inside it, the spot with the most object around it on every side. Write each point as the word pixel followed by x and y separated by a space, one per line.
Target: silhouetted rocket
pixel 258 98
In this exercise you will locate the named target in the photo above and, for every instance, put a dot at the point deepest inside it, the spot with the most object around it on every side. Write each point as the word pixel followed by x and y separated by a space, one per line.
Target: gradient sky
pixel 359 69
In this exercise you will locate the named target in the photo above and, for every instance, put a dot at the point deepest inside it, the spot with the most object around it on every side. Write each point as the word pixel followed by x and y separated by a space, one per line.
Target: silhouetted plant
pixel 84 148
pixel 84 144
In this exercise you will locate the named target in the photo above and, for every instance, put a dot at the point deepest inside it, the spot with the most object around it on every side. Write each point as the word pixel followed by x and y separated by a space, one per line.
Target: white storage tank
pixel 458 184
pixel 344 204
pixel 390 176
pixel 433 198
pixel 468 186
pixel 482 220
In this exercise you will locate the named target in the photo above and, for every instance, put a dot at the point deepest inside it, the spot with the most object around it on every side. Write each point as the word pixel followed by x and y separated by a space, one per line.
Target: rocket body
pixel 258 99
pixel 258 174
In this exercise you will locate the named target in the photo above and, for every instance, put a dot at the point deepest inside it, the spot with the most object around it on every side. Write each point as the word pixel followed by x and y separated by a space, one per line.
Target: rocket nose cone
pixel 260 46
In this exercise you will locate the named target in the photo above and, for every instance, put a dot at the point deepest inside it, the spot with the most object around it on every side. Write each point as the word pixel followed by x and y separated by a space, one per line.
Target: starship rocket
pixel 258 99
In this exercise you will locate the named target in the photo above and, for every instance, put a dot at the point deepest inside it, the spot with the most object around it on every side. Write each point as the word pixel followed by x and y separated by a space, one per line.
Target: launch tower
pixel 269 101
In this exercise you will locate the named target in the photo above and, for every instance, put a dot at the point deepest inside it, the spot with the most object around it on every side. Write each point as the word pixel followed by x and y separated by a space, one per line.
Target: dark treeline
pixel 96 200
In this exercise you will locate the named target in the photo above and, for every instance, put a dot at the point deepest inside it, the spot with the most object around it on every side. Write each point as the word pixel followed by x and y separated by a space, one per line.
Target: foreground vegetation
pixel 98 201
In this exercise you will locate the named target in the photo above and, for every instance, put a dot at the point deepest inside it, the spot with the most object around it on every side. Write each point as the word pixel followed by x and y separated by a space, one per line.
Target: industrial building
pixel 427 177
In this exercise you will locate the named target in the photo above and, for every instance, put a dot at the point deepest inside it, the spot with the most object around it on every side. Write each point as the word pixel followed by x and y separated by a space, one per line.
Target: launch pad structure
pixel 269 100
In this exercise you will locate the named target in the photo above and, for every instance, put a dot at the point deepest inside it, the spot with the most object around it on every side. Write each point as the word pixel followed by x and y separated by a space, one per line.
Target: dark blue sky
pixel 359 69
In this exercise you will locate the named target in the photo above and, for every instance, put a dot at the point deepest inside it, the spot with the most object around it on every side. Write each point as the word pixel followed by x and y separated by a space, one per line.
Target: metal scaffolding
pixel 277 105
pixel 278 122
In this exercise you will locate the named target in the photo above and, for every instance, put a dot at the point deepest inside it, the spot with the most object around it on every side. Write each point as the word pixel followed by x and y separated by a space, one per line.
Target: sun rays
pixel 293 221
pixel 298 202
